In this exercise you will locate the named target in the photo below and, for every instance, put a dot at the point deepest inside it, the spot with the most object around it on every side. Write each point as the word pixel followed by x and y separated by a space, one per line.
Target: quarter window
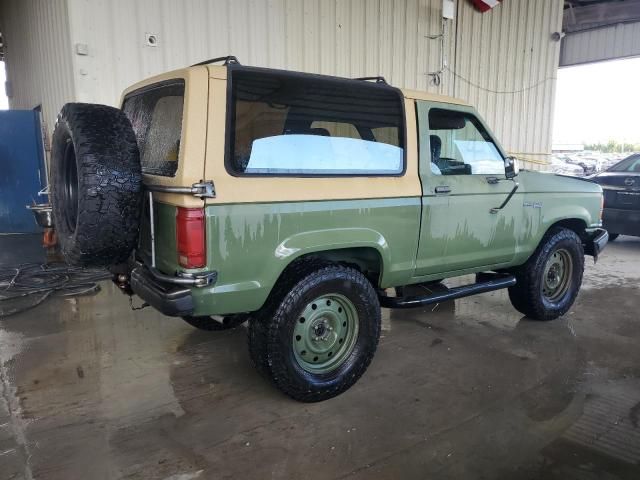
pixel 297 124
pixel 155 114
pixel 460 145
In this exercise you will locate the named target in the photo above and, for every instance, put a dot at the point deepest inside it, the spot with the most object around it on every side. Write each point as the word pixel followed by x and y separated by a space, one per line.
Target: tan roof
pixel 431 97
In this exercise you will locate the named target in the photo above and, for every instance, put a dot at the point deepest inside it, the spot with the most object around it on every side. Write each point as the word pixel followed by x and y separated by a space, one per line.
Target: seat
pixel 321 132
pixel 436 147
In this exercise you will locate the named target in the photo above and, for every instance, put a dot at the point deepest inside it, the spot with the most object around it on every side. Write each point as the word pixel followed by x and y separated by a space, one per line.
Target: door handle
pixel 443 189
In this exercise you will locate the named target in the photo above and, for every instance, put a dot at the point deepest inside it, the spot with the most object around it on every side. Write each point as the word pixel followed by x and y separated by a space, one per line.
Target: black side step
pixel 493 282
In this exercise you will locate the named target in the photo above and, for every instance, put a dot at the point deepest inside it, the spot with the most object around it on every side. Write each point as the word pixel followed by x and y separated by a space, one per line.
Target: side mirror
pixel 511 168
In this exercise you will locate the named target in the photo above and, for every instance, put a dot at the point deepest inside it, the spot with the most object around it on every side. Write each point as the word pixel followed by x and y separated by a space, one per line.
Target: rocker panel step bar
pixel 497 282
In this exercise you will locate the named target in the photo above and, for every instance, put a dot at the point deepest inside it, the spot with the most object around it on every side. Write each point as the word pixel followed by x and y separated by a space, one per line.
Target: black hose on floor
pixel 28 285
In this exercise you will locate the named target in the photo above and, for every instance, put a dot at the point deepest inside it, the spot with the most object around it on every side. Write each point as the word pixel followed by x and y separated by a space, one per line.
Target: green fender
pixel 573 210
pixel 332 240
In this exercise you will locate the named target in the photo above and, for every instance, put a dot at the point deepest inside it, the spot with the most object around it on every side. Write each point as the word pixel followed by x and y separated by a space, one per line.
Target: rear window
pixel 629 164
pixel 283 123
pixel 155 113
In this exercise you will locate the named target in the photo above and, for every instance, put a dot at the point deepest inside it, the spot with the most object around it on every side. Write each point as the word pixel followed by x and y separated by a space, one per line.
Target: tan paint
pixel 194 134
pixel 432 97
pixel 217 71
pixel 232 189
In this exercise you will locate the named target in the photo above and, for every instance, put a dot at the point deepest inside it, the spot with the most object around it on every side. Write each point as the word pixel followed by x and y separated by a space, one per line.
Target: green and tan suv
pixel 303 203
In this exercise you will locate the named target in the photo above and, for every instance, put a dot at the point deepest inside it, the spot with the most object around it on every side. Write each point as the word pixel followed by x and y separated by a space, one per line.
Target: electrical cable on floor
pixel 28 285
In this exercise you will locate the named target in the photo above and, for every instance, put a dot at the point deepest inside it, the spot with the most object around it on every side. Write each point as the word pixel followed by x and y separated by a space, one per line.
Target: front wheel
pixel 316 337
pixel 548 284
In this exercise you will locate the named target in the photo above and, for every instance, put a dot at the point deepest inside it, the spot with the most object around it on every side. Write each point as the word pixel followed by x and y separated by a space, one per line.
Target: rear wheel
pixel 96 185
pixel 548 284
pixel 317 337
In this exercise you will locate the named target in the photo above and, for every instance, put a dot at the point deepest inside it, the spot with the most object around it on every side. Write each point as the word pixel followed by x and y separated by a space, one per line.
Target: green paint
pixel 251 244
pixel 401 240
pixel 165 231
pixel 325 333
pixel 557 275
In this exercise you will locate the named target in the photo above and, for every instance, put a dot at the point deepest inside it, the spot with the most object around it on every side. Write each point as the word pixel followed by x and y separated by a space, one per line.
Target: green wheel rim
pixel 325 333
pixel 557 275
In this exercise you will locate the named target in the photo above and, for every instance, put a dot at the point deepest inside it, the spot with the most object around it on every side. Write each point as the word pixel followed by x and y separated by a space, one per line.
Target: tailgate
pixel 168 114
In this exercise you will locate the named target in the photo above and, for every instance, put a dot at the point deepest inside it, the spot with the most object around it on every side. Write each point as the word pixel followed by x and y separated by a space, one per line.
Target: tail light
pixel 602 207
pixel 190 237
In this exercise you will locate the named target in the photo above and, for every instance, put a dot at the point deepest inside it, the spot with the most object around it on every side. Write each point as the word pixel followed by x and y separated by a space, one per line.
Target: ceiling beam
pixel 582 15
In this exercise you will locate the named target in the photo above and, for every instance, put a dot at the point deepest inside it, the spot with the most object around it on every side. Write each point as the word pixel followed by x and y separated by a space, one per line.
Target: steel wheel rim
pixel 557 275
pixel 325 333
pixel 70 181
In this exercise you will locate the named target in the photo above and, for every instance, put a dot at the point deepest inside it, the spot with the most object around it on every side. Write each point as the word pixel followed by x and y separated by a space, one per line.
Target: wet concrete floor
pixel 93 390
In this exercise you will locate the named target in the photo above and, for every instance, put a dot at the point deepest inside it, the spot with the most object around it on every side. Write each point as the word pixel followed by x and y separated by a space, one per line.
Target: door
pixel 463 177
pixel 22 170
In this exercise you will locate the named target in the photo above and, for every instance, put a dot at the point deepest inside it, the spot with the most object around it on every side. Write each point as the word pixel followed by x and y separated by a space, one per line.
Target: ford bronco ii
pixel 303 203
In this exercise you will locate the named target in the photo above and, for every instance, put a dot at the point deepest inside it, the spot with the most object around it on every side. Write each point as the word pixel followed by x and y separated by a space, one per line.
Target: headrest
pixel 323 132
pixel 319 131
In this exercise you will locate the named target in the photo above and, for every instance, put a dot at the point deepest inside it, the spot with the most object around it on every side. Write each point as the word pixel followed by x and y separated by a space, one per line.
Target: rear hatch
pixel 171 155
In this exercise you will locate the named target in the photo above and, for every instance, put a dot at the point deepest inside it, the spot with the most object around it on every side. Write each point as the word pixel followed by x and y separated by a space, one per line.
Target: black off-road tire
pixel 96 185
pixel 215 323
pixel 257 335
pixel 271 330
pixel 613 236
pixel 527 295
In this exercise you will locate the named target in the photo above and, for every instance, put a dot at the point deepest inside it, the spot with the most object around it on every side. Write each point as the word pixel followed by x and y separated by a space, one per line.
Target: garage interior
pixel 91 386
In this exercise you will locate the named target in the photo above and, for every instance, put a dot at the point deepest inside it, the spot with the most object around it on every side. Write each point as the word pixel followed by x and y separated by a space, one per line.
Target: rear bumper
pixel 596 243
pixel 172 300
pixel 624 222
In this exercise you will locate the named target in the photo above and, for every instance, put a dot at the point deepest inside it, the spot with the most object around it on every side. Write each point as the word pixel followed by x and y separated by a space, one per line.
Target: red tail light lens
pixel 190 233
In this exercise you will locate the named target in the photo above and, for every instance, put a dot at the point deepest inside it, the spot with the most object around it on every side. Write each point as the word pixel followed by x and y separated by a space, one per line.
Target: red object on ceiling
pixel 485 5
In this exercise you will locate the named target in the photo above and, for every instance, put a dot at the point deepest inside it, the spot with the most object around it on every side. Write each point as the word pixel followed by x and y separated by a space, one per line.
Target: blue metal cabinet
pixel 22 173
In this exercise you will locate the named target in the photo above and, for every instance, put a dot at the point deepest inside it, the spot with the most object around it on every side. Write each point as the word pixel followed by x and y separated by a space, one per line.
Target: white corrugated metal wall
pixel 598 44
pixel 508 49
pixel 38 55
pixel 506 65
pixel 338 37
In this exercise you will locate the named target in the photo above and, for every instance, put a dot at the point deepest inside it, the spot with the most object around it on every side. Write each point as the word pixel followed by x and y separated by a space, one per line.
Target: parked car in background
pixel 621 185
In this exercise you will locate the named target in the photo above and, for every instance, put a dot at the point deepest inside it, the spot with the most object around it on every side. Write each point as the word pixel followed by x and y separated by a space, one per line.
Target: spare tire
pixel 96 185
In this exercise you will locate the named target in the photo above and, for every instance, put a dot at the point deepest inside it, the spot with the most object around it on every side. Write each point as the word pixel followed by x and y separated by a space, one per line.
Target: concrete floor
pixel 93 390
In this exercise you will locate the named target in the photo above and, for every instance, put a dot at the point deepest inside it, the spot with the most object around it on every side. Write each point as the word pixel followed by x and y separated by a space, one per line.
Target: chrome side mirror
pixel 511 168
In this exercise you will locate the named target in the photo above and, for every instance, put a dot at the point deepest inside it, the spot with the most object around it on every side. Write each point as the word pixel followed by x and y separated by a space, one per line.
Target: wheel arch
pixel 573 223
pixel 577 225
pixel 365 259
pixel 363 248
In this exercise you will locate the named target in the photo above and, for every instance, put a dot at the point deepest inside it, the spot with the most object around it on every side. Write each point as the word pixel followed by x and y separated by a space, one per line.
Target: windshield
pixel 629 164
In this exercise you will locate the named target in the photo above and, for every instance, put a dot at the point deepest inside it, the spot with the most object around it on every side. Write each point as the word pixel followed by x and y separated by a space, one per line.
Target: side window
pixel 295 124
pixel 460 145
